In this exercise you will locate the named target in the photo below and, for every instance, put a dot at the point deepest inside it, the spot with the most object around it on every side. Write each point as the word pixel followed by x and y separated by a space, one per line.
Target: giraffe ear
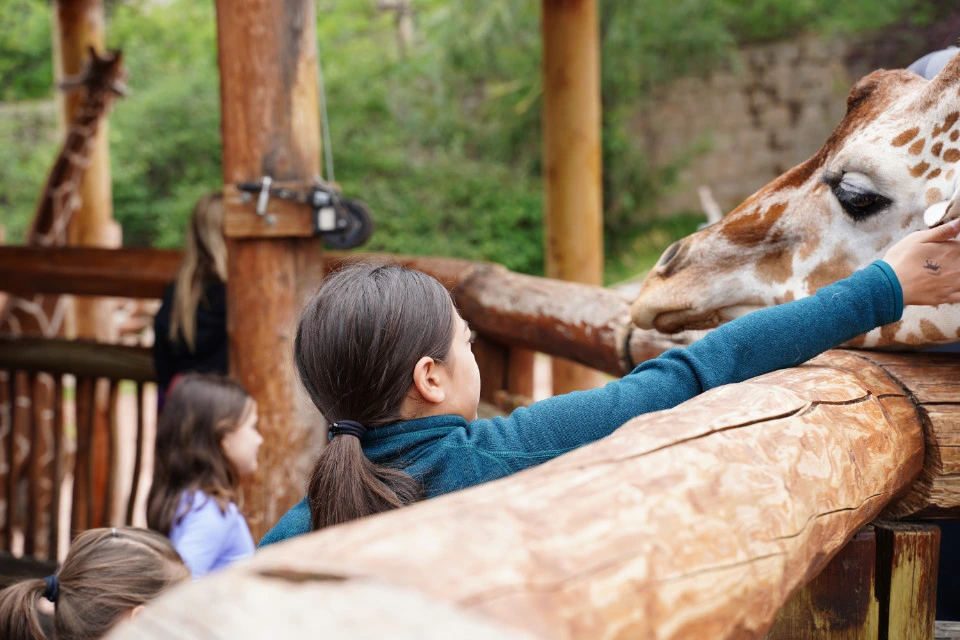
pixel 944 211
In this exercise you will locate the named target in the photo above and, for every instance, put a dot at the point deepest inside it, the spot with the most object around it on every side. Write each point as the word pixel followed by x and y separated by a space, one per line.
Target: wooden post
pixel 269 102
pixel 840 603
pixel 78 26
pixel 572 157
pixel 907 555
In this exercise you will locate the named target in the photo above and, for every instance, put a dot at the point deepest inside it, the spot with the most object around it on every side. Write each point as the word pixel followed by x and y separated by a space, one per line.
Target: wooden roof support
pixel 696 522
pixel 78 25
pixel 271 127
pixel 572 157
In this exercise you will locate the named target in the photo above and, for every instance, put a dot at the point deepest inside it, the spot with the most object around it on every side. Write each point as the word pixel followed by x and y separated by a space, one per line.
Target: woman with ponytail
pixel 107 576
pixel 386 358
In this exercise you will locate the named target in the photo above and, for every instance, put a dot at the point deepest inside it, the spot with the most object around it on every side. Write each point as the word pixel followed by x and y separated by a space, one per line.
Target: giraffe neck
pixel 60 198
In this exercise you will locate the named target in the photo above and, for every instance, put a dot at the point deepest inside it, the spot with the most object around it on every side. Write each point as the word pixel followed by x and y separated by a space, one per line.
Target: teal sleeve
pixel 294 522
pixel 763 341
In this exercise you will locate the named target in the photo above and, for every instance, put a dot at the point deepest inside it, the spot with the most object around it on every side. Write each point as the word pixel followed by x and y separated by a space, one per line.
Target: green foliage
pixel 26 57
pixel 443 143
pixel 26 155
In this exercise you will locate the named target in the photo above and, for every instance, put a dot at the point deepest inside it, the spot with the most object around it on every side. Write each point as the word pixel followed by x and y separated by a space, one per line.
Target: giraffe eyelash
pixel 859 205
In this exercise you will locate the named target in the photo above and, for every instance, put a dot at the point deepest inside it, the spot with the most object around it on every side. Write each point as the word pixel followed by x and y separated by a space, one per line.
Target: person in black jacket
pixel 190 327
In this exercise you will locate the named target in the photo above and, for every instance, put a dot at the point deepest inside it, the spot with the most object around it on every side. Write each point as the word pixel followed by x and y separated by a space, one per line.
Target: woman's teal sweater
pixel 447 453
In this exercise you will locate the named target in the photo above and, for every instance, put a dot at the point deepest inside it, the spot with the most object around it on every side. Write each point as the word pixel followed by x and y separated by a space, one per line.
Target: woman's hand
pixel 927 263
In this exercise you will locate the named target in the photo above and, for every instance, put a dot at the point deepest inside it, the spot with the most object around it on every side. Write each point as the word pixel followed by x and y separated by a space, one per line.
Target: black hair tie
pixel 52 592
pixel 347 427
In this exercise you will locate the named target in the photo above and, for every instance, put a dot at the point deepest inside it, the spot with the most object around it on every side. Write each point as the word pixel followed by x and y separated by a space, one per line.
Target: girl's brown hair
pixel 106 574
pixel 358 341
pixel 198 413
pixel 204 261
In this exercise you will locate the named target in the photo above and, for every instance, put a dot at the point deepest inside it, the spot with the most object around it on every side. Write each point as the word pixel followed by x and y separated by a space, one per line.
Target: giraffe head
pixel 103 77
pixel 893 157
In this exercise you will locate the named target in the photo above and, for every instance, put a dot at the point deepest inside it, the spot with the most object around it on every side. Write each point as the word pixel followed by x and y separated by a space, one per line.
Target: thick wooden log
pixel 117 362
pixel 933 384
pixel 697 522
pixel 586 324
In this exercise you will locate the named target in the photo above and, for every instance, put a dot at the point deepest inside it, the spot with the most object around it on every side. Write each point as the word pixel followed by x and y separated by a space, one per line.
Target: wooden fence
pixel 701 521
pixel 513 314
pixel 697 522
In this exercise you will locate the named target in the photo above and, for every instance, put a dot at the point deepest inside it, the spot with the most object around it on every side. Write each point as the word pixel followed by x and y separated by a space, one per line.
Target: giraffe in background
pixel 889 168
pixel 102 81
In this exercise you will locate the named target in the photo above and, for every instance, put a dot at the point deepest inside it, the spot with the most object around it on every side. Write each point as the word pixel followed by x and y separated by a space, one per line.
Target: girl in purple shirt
pixel 207 439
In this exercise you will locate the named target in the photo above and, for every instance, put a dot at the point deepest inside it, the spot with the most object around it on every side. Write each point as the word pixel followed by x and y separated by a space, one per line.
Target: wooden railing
pixel 700 521
pixel 697 522
pixel 52 432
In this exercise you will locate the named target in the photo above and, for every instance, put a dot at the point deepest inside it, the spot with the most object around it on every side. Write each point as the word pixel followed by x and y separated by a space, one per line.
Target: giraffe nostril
pixel 669 254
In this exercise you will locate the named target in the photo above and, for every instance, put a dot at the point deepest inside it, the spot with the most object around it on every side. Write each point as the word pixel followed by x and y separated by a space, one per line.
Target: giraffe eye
pixel 857 202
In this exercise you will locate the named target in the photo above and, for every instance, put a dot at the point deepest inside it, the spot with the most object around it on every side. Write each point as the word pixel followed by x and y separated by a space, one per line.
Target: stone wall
pixel 739 128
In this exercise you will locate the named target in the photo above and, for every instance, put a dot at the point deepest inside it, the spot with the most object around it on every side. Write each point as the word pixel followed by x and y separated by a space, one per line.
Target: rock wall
pixel 738 128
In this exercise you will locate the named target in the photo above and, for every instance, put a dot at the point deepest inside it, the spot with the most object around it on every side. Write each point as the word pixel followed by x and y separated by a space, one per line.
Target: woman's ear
pixel 428 380
pixel 135 612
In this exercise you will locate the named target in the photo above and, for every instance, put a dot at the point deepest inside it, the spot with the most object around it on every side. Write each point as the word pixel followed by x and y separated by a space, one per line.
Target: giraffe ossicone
pixel 892 166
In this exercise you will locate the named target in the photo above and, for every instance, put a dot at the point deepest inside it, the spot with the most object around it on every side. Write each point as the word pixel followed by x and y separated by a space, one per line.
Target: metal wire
pixel 324 122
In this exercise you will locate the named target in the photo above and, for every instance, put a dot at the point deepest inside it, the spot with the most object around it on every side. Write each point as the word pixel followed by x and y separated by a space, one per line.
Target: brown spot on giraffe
pixel 882 243
pixel 811 242
pixel 913 339
pixel 836 268
pixel 936 149
pixel 790 297
pixel 776 266
pixel 888 331
pixel 906 223
pixel 933 174
pixel 920 169
pixel 948 123
pixel 950 174
pixel 932 196
pixel 951 155
pixel 954 136
pixel 905 136
pixel 754 227
pixel 931 332
pixel 917 147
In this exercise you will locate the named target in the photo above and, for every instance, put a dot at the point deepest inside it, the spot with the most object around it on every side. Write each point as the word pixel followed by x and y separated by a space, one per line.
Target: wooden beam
pixel 128 273
pixel 697 522
pixel 271 127
pixel 76 357
pixel 572 157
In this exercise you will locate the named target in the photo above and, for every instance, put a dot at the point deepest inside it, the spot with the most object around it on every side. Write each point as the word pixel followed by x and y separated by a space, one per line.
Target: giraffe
pixel 102 80
pixel 890 163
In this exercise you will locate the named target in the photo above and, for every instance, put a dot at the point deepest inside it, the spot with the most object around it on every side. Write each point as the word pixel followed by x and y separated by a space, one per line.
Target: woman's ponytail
pixel 346 485
pixel 19 617
pixel 357 344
